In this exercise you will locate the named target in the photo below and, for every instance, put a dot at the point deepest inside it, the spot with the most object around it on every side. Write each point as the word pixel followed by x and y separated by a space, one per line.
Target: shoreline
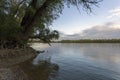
pixel 9 60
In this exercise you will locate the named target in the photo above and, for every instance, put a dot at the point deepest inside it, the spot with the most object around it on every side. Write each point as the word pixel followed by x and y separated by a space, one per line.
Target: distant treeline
pixel 90 41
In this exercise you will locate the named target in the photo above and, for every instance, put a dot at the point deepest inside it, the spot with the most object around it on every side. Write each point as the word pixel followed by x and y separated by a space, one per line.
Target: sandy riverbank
pixel 11 57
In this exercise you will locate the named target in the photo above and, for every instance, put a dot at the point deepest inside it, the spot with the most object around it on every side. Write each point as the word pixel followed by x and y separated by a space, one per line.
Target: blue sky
pixel 71 21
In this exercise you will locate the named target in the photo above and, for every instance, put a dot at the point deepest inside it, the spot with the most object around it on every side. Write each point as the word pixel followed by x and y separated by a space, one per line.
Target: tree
pixel 23 19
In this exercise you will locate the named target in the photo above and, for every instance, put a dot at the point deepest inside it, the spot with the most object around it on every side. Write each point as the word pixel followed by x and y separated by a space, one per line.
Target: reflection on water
pixel 90 61
pixel 44 70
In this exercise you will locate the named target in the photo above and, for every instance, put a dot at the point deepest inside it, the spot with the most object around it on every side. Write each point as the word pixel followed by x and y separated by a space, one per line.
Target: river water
pixel 76 61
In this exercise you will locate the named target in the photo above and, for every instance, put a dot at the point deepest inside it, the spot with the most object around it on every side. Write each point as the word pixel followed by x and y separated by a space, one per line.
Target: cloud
pixel 102 32
pixel 114 13
pixel 110 30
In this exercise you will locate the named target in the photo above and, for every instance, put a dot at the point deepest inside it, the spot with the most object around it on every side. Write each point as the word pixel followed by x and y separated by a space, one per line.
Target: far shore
pixel 81 41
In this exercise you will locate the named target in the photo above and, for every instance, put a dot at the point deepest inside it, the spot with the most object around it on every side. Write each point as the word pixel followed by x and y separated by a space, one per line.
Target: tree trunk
pixel 29 26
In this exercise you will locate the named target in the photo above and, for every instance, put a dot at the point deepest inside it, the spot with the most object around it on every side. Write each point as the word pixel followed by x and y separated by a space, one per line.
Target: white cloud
pixel 110 30
pixel 114 13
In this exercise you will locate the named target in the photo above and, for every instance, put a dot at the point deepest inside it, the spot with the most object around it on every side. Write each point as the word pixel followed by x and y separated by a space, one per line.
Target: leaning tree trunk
pixel 36 17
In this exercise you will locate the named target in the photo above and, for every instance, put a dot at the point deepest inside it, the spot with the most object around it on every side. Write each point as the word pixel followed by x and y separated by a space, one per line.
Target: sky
pixel 104 18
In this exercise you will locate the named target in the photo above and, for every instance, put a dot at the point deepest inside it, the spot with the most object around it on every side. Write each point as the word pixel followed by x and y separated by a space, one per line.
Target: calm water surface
pixel 80 61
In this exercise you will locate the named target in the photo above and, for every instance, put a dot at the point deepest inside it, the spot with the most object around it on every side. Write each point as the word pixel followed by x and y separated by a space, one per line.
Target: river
pixel 81 61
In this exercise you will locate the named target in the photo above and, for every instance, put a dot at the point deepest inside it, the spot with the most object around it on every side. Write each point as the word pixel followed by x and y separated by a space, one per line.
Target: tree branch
pixel 18 7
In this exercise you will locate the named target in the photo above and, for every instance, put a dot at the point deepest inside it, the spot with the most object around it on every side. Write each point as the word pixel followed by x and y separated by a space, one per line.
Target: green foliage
pixel 9 28
pixel 45 34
